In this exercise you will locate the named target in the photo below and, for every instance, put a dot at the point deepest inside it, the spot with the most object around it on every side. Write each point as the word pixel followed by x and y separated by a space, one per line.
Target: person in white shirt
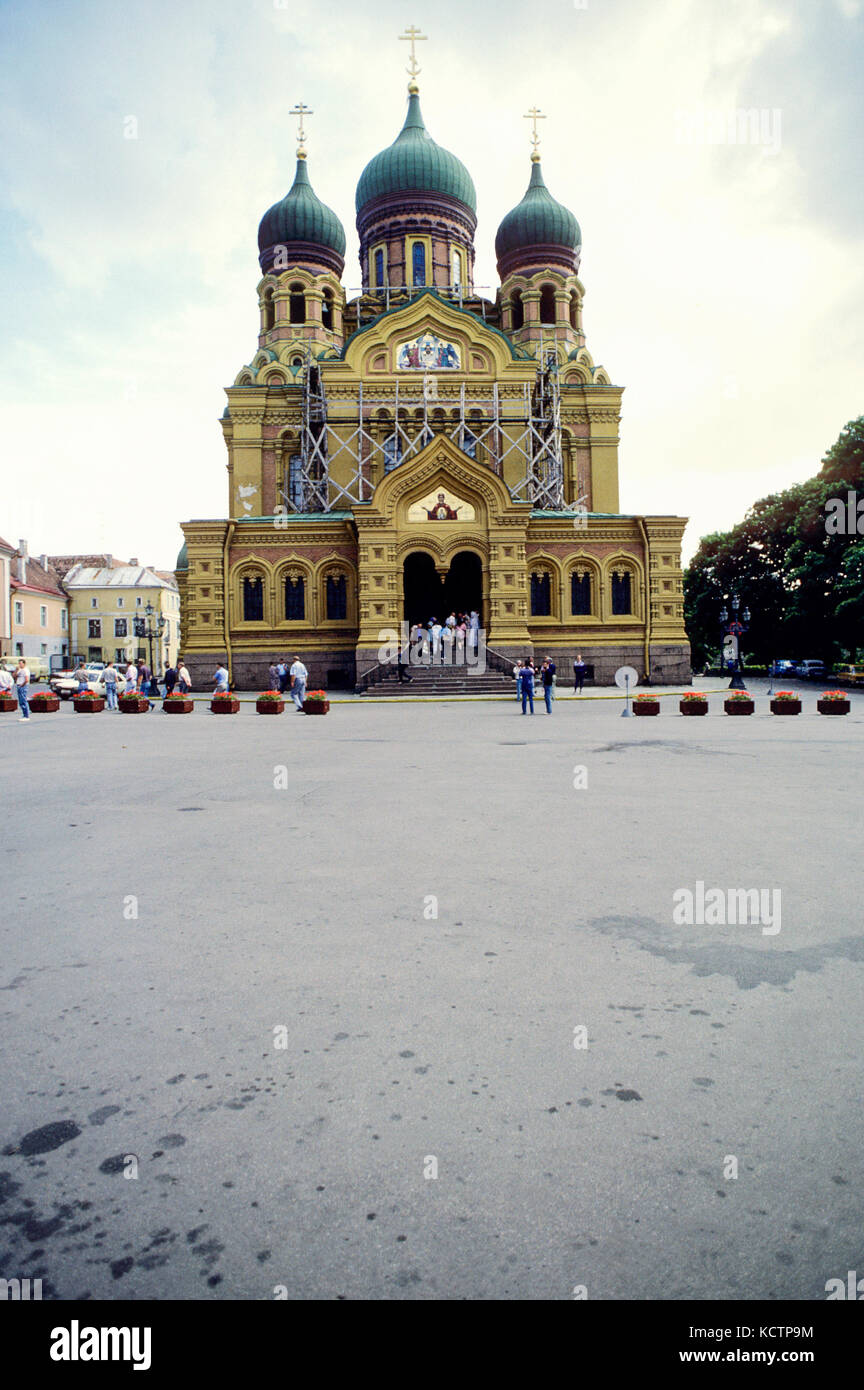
pixel 184 685
pixel 435 634
pixel 6 682
pixel 131 678
pixel 299 676
pixel 221 678
pixel 22 683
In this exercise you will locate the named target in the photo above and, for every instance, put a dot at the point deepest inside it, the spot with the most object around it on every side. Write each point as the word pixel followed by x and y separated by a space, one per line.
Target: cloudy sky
pixel 724 276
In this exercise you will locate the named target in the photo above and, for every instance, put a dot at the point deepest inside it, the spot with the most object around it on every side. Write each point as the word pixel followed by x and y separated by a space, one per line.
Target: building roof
pixel 62 564
pixel 122 577
pixel 299 217
pixel 537 221
pixel 45 581
pixel 4 545
pixel 415 164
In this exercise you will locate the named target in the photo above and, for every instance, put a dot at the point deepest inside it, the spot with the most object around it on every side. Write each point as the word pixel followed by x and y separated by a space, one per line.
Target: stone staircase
pixel 441 681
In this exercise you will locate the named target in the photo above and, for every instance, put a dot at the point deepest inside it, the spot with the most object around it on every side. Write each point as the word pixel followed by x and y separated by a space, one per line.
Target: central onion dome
pixel 306 228
pixel 538 230
pixel 415 164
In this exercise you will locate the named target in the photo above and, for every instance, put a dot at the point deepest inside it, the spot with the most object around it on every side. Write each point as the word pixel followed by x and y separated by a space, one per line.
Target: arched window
pixel 574 310
pixel 541 595
pixel 580 593
pixel 391 444
pixel 294 481
pixel 621 592
pixel 295 598
pixel 327 310
pixel 418 263
pixel 457 269
pixel 547 304
pixel 379 268
pixel 296 304
pixel 517 309
pixel 253 600
pixel 269 311
pixel 337 597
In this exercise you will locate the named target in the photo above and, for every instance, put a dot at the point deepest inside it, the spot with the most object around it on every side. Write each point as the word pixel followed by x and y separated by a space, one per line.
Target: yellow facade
pixel 104 606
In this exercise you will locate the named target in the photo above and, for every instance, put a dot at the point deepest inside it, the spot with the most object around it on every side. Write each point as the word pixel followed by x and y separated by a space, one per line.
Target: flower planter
pixel 138 705
pixel 316 706
pixel 270 706
pixel 178 706
pixel 833 706
pixel 44 704
pixel 738 706
pixel 785 706
pixel 8 703
pixel 88 706
pixel 693 706
pixel 225 706
pixel 646 706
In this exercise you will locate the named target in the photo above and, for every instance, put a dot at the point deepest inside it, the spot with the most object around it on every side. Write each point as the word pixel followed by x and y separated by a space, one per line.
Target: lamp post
pixel 151 631
pixel 733 630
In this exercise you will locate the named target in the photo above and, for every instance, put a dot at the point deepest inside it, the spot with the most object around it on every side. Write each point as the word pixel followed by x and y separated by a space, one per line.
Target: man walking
pixel 170 679
pixel 578 673
pixel 22 688
pixel 547 675
pixel 131 678
pixel 299 676
pixel 221 677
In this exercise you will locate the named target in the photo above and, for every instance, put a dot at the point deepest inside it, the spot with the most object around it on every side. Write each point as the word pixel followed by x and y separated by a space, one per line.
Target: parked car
pixel 811 670
pixel 785 668
pixel 849 675
pixel 66 686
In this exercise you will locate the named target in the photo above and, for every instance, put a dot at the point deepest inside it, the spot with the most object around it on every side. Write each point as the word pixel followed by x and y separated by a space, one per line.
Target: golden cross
pixel 534 115
pixel 301 110
pixel 412 35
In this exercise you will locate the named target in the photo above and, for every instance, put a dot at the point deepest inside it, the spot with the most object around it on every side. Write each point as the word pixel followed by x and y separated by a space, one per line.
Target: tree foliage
pixel 797 564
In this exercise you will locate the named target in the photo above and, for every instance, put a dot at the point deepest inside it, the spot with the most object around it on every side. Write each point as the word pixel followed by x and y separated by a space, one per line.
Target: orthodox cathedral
pixel 422 449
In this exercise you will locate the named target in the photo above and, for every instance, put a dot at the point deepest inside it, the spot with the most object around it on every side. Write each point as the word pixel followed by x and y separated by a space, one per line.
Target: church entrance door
pixel 422 589
pixel 463 586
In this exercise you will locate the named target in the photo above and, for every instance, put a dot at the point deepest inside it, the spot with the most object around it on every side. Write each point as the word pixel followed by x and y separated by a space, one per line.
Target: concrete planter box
pixel 88 706
pixel 316 706
pixel 646 707
pixel 44 704
pixel 833 706
pixel 270 706
pixel 739 706
pixel 178 706
pixel 137 706
pixel 225 706
pixel 785 706
pixel 692 707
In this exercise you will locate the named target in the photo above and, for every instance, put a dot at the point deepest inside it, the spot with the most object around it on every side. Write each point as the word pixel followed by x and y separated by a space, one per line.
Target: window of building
pixel 295 481
pixel 295 599
pixel 547 304
pixel 456 269
pixel 19 648
pixel 580 594
pixel 296 304
pixel 63 620
pixel 119 653
pixel 253 600
pixel 43 615
pixel 94 627
pixel 574 310
pixel 621 592
pixel 541 595
pixel 120 629
pixel 337 597
pixel 378 268
pixel 269 310
pixel 120 602
pixel 19 612
pixel 43 650
pixel 418 263
pixel 327 309
pixel 94 653
pixel 138 600
pixel 93 602
pixel 517 309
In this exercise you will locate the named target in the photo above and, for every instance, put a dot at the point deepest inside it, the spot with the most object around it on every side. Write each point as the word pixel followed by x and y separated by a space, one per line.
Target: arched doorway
pixel 463 586
pixel 421 588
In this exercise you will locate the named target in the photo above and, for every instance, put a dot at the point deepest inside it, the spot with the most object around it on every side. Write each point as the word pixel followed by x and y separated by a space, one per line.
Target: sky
pixel 142 143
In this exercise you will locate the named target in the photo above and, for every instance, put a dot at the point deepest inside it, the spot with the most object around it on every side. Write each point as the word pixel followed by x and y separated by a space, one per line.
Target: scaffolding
pixel 517 437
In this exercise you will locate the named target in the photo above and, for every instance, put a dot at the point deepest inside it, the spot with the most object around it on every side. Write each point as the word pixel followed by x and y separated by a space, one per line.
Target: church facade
pixel 422 449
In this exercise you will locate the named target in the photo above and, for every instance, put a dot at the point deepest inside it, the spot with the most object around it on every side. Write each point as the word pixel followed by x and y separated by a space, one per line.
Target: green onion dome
pixel 182 559
pixel 304 225
pixel 415 164
pixel 537 230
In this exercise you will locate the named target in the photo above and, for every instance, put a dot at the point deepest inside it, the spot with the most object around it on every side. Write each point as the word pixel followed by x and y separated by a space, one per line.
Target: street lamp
pixel 150 631
pixel 733 630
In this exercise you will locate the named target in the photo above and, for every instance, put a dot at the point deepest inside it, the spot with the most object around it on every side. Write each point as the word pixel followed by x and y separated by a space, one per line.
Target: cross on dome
pixel 301 110
pixel 534 115
pixel 412 35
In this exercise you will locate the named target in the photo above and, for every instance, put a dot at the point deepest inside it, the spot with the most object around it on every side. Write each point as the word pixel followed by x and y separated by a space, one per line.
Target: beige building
pixel 38 611
pixel 115 609
pixel 7 553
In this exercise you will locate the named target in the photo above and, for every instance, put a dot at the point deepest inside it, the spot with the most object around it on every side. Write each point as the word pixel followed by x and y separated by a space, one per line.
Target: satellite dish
pixel 626 677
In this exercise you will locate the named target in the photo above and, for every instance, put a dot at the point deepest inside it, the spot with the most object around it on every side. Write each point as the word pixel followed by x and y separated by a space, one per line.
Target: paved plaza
pixel 393 1004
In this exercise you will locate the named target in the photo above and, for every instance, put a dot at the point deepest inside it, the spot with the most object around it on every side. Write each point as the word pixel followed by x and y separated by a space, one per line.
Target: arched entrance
pixel 422 589
pixel 463 586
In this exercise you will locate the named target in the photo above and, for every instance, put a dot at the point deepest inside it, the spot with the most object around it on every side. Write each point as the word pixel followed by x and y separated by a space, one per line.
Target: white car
pixel 66 686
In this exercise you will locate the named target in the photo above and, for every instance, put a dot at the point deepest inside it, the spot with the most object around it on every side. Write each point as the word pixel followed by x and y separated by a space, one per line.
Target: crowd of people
pixel 290 679
pixel 440 642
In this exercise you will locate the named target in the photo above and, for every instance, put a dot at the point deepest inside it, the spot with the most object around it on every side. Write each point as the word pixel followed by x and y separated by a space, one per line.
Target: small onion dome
pixel 304 226
pixel 182 558
pixel 415 164
pixel 537 230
